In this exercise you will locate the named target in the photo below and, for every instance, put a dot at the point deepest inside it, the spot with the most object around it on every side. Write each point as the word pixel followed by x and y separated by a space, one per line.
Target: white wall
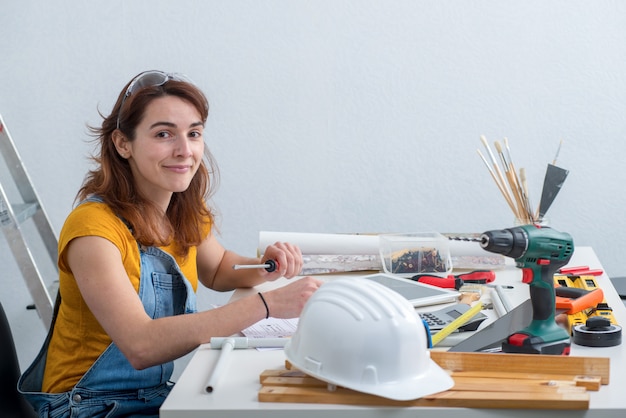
pixel 335 115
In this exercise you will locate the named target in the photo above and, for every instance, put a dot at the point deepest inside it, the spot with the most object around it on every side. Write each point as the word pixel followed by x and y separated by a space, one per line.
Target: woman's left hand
pixel 288 259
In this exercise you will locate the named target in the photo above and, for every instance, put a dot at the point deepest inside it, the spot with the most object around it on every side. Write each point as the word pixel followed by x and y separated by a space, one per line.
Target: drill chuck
pixel 510 242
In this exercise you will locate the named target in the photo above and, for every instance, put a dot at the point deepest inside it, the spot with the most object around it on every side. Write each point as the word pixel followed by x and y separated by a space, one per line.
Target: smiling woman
pixel 167 149
pixel 150 104
pixel 131 255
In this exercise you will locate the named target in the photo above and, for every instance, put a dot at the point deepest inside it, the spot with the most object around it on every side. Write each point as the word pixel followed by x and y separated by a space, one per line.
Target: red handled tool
pixel 579 271
pixel 456 281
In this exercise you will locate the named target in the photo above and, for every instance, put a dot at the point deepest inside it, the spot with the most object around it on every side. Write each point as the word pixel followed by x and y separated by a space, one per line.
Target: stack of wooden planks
pixel 482 380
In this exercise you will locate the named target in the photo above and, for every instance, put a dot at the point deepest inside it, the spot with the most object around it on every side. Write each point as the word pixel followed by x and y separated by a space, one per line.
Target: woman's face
pixel 168 148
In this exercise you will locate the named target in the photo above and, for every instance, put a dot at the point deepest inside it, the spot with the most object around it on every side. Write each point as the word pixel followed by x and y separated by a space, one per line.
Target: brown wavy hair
pixel 112 180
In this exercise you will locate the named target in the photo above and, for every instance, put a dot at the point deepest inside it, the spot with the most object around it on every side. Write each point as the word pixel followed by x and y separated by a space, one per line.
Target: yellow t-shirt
pixel 78 338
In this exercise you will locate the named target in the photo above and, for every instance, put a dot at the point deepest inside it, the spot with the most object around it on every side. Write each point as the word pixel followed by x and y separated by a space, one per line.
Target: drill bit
pixel 464 237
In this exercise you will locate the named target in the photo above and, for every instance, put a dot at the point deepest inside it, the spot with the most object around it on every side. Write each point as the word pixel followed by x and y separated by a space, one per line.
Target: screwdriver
pixel 456 281
pixel 269 266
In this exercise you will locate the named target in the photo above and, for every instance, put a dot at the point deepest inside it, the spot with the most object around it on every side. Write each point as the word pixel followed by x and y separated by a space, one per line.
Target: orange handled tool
pixel 574 299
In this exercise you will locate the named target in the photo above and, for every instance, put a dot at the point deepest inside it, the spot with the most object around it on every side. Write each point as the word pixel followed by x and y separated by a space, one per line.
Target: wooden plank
pixel 467 399
pixel 478 369
pixel 288 372
pixel 505 375
pixel 509 384
pixel 588 382
pixel 514 385
pixel 482 380
pixel 524 363
pixel 309 382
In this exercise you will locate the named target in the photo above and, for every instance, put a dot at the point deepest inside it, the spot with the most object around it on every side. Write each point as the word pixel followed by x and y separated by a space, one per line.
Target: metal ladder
pixel 13 218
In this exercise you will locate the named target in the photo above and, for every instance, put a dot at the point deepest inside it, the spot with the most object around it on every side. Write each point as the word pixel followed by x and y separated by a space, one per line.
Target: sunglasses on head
pixel 152 78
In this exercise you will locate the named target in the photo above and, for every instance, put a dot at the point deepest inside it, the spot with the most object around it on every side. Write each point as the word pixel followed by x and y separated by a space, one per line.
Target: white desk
pixel 236 392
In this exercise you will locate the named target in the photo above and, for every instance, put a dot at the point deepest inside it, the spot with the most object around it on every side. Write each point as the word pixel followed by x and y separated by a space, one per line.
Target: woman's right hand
pixel 288 301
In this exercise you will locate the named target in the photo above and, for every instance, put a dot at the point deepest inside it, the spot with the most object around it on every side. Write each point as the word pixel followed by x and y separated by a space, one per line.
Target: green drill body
pixel 539 252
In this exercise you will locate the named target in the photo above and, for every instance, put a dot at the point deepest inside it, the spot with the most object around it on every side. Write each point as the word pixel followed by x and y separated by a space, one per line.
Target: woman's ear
pixel 122 145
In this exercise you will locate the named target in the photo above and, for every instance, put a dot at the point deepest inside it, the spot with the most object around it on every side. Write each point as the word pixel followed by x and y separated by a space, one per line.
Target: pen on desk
pixel 269 265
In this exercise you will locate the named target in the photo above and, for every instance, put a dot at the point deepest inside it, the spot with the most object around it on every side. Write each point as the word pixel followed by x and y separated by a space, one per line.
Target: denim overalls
pixel 112 387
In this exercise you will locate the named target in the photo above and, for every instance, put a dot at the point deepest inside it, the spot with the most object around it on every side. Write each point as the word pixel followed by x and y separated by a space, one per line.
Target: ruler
pixel 456 324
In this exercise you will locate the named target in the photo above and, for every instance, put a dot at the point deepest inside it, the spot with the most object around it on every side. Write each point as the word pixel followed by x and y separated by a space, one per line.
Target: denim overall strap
pixel 164 291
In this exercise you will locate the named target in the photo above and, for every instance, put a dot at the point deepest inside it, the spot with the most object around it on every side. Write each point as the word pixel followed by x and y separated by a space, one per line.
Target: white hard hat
pixel 361 335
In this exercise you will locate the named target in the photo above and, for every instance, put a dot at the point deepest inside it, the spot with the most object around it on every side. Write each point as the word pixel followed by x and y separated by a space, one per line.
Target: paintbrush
pixel 500 186
pixel 514 183
pixel 498 173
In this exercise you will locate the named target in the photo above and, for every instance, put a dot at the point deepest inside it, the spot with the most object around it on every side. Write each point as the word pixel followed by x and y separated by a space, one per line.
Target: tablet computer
pixel 419 294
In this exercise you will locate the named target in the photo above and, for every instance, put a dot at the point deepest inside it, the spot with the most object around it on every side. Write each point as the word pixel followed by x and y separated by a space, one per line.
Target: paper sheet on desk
pixel 272 328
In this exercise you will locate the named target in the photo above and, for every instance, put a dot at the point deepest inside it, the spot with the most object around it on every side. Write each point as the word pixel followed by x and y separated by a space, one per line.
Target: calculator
pixel 437 320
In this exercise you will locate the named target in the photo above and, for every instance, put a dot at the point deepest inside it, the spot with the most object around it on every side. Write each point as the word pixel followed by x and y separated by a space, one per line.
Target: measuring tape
pixel 456 324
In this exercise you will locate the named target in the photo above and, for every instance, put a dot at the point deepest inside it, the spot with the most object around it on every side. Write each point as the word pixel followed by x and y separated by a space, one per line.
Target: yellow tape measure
pixel 456 324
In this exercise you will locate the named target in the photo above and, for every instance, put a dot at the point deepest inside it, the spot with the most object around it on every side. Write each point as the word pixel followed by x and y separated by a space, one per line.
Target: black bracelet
pixel 267 309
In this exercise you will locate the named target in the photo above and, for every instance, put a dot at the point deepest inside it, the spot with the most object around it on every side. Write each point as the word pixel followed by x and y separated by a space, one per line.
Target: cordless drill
pixel 539 251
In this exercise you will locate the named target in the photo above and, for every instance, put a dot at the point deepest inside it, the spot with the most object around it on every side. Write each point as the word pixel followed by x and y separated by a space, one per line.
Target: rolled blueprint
pixel 329 253
pixel 317 243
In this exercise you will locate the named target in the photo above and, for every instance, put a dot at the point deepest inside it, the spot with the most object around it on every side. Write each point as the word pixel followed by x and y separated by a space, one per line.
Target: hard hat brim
pixel 433 380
